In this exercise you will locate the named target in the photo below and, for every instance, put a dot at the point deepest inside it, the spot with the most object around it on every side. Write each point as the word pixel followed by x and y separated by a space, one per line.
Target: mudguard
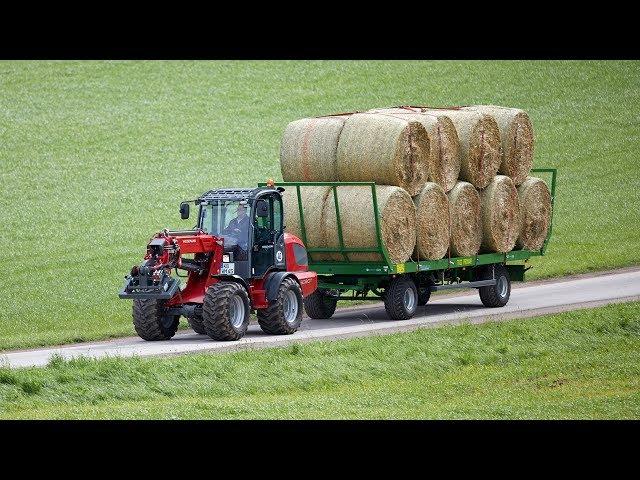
pixel 273 282
pixel 308 282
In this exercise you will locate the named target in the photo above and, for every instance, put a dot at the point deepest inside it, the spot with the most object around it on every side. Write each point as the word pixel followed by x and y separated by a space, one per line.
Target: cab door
pixel 268 241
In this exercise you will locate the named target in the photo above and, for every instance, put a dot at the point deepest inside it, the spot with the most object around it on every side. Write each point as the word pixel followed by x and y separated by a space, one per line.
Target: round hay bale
pixel 384 149
pixel 397 222
pixel 466 227
pixel 535 213
pixel 443 163
pixel 516 136
pixel 479 138
pixel 308 149
pixel 500 215
pixel 432 223
pixel 314 200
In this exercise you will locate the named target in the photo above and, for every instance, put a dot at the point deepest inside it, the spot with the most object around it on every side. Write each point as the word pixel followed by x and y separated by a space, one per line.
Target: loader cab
pixel 251 223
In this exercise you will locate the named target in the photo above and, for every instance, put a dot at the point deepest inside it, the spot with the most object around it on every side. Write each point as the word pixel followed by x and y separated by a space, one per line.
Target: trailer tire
pixel 320 305
pixel 401 298
pixel 496 295
pixel 283 315
pixel 424 294
pixel 196 325
pixel 150 322
pixel 225 311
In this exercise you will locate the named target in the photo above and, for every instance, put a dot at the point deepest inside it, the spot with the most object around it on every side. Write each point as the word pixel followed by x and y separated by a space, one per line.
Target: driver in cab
pixel 239 228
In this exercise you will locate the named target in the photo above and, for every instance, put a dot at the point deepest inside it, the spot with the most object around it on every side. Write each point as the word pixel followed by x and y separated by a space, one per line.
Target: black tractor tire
pixel 196 325
pixel 496 295
pixel 424 294
pixel 401 298
pixel 225 311
pixel 284 314
pixel 150 321
pixel 320 305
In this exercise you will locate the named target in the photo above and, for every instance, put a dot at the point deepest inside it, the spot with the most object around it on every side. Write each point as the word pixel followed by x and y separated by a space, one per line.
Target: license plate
pixel 227 269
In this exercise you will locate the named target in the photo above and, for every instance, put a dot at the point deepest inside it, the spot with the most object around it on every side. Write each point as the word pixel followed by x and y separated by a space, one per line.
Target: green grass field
pixel 95 157
pixel 583 364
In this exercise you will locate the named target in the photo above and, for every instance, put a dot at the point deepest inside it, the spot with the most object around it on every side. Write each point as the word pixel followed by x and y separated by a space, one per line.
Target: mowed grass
pixel 582 364
pixel 95 157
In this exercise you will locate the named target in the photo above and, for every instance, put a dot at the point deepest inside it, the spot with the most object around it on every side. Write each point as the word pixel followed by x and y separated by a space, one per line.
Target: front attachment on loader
pixel 145 282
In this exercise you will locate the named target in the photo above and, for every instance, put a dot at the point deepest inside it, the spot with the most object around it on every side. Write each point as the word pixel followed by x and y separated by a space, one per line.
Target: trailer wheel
pixel 401 298
pixel 196 325
pixel 424 294
pixel 150 322
pixel 496 295
pixel 284 314
pixel 225 311
pixel 320 305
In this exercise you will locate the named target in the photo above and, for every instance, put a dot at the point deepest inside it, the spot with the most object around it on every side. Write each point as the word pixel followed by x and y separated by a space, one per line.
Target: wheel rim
pixel 409 299
pixel 290 306
pixel 236 311
pixel 502 286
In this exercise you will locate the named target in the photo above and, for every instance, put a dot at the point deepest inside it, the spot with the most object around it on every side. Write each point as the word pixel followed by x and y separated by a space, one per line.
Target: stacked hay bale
pixel 314 203
pixel 516 137
pixel 308 149
pixel 461 165
pixel 384 149
pixel 500 215
pixel 395 151
pixel 397 222
pixel 443 163
pixel 479 138
pixel 535 213
pixel 432 223
pixel 466 227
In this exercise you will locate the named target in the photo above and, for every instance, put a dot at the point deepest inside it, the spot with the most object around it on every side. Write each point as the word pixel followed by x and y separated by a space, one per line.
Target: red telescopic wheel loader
pixel 237 260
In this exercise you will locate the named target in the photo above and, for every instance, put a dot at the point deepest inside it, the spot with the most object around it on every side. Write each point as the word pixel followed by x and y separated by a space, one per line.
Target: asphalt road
pixel 526 300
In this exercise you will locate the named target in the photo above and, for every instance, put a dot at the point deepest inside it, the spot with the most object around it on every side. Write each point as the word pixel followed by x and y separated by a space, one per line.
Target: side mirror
pixel 262 209
pixel 184 211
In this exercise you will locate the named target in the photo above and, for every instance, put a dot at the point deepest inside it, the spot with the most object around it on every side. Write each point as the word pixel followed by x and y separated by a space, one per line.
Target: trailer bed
pixel 363 278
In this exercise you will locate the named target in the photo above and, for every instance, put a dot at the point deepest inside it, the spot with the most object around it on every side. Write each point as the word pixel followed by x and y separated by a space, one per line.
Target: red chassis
pixel 203 274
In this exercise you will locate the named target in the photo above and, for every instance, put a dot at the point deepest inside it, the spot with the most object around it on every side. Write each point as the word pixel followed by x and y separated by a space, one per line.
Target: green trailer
pixel 405 286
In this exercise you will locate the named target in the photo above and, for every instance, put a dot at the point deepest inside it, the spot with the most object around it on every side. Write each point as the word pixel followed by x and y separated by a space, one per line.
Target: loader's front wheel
pixel 225 311
pixel 150 321
pixel 284 314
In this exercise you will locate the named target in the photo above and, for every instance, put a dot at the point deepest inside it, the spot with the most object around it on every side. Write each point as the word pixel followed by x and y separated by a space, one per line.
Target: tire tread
pixel 147 320
pixel 394 298
pixel 489 295
pixel 271 319
pixel 316 307
pixel 215 311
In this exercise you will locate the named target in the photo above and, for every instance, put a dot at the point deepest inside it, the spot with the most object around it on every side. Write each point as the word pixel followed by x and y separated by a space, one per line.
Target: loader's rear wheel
pixel 196 325
pixel 284 314
pixel 320 305
pixel 225 311
pixel 150 321
pixel 496 295
pixel 401 298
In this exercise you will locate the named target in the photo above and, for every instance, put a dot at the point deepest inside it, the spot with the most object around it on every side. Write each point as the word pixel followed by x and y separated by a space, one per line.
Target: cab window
pixel 277 214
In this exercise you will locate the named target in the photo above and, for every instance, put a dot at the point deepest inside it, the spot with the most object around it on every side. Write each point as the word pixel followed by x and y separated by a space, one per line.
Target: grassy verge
pixel 96 156
pixel 583 364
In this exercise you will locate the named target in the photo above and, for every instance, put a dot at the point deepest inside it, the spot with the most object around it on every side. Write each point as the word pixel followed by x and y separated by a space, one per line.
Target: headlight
pixel 225 258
